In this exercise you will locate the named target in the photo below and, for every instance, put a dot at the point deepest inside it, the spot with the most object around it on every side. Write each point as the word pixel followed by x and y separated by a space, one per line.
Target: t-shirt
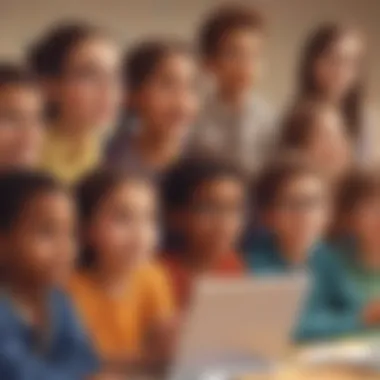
pixel 66 353
pixel 119 325
pixel 57 157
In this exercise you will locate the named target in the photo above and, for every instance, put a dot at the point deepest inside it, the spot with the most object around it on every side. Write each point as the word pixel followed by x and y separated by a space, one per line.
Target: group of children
pixel 120 185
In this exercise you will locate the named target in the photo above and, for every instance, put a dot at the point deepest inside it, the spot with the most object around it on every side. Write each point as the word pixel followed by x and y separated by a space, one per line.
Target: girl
pixel 79 68
pixel 161 77
pixel 204 203
pixel 346 295
pixel 123 298
pixel 332 70
pixel 291 200
pixel 317 130
pixel 40 337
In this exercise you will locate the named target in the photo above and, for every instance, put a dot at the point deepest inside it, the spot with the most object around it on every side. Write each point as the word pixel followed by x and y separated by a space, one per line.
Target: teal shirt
pixel 264 257
pixel 341 288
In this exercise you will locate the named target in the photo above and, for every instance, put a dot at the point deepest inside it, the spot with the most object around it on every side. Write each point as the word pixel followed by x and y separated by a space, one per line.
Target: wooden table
pixel 294 370
pixel 320 374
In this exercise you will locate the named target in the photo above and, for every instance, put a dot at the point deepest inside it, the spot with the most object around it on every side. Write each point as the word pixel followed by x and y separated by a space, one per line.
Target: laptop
pixel 238 325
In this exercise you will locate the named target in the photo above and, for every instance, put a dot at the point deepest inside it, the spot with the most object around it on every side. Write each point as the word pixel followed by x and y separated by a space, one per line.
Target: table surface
pixel 293 370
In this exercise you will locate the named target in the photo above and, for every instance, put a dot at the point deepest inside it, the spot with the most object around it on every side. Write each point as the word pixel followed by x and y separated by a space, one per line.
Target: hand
pixel 371 314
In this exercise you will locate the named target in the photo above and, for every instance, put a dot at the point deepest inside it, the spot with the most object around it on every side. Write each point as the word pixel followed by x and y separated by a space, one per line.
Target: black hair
pixel 90 193
pixel 183 180
pixel 48 57
pixel 318 44
pixel 142 60
pixel 17 188
pixel 15 75
pixel 224 21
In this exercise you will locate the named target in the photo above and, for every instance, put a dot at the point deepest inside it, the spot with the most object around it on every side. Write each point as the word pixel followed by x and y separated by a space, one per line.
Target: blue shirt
pixel 66 354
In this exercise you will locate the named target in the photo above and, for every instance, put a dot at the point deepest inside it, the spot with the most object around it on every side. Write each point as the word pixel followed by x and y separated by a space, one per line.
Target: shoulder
pixel 327 258
pixel 80 287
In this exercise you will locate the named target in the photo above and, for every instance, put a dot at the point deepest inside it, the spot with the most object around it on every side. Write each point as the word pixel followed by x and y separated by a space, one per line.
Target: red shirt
pixel 181 277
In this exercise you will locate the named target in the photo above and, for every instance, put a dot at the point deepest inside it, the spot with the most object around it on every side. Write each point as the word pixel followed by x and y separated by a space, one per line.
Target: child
pixel 79 68
pixel 317 130
pixel 346 296
pixel 204 202
pixel 21 118
pixel 292 204
pixel 123 297
pixel 236 123
pixel 40 337
pixel 161 80
pixel 332 69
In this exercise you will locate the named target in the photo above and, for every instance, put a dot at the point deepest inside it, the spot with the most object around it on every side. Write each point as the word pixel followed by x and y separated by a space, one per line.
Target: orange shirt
pixel 181 277
pixel 119 325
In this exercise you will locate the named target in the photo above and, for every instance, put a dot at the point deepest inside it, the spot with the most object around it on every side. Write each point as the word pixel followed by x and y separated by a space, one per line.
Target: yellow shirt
pixel 118 326
pixel 63 160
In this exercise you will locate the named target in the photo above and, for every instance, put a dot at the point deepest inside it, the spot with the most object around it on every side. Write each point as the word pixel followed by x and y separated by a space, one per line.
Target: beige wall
pixel 290 20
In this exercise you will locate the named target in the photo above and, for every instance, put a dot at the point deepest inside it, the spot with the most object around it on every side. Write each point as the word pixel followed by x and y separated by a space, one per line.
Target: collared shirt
pixel 65 355
pixel 245 138
pixel 58 159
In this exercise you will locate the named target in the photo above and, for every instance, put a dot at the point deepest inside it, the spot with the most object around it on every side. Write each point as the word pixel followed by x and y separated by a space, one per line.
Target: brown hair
pixel 142 61
pixel 317 45
pixel 276 174
pixel 223 21
pixel 299 124
pixel 15 75
pixel 358 186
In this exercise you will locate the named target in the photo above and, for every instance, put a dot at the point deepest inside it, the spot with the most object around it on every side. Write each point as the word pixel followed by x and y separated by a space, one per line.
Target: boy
pixel 236 124
pixel 204 204
pixel 21 118
pixel 292 203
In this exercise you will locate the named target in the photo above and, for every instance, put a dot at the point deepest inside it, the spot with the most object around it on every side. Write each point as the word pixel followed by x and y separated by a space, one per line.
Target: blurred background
pixel 289 23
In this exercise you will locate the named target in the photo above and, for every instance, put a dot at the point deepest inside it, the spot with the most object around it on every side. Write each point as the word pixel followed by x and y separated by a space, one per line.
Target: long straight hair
pixel 316 46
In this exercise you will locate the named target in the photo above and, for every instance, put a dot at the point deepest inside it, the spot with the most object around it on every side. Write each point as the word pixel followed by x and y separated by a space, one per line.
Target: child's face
pixel 238 64
pixel 89 92
pixel 124 228
pixel 42 244
pixel 300 213
pixel 338 70
pixel 168 102
pixel 21 126
pixel 365 221
pixel 214 222
pixel 329 146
